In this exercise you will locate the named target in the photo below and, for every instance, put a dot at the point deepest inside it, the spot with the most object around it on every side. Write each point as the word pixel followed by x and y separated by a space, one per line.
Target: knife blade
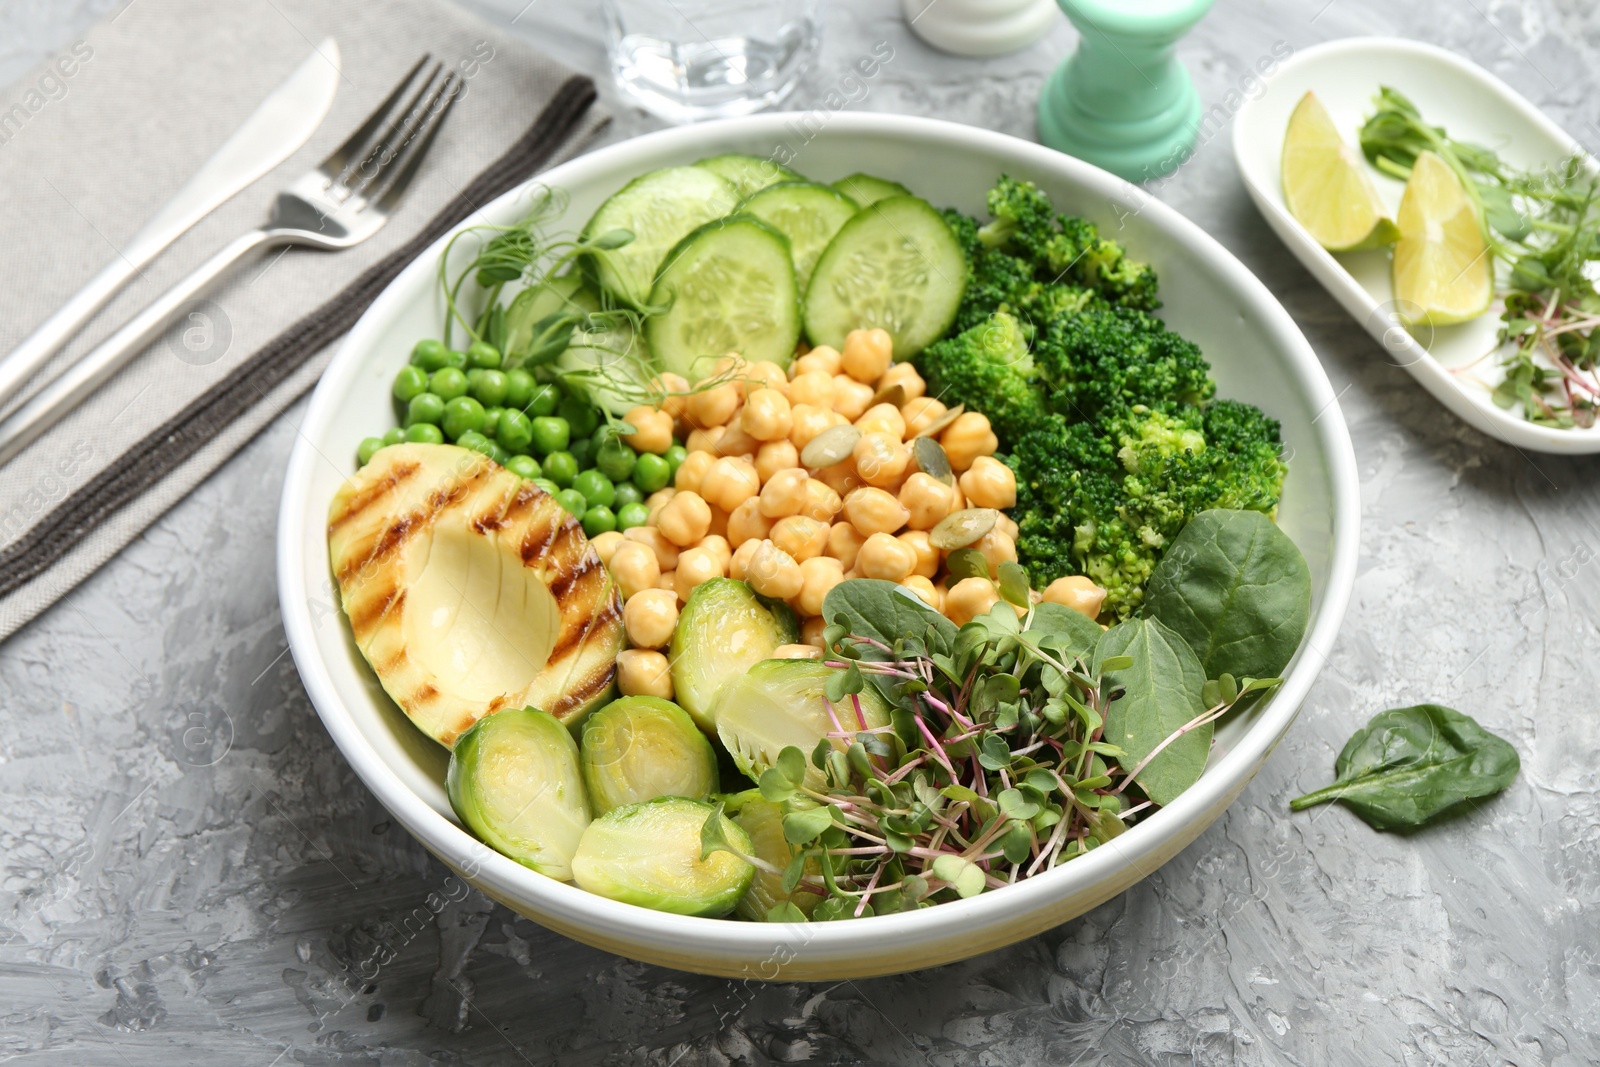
pixel 280 124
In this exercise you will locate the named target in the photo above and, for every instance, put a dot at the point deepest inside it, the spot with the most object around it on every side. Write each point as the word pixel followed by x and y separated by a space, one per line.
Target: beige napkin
pixel 99 136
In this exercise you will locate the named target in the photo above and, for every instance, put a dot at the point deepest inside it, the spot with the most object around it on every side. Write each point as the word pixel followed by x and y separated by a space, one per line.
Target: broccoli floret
pixel 1245 456
pixel 991 369
pixel 1101 264
pixel 1102 360
pixel 1023 223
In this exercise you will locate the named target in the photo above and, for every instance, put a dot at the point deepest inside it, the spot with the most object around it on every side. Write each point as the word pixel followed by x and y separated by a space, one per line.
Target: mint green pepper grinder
pixel 1123 101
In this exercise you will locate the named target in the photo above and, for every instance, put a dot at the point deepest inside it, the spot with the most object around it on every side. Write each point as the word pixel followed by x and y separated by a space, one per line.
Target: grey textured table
pixel 154 911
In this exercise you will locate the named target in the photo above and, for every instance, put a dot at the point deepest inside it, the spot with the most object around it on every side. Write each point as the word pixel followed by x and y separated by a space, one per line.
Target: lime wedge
pixel 1326 185
pixel 1443 271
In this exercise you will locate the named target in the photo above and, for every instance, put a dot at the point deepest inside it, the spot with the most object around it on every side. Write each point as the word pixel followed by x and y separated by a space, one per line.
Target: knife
pixel 283 122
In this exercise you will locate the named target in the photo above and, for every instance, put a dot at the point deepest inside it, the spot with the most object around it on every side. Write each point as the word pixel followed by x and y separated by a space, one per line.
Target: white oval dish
pixel 1473 105
pixel 1259 356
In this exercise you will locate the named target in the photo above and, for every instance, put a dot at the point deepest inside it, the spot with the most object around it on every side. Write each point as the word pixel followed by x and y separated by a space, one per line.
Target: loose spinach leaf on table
pixel 1409 765
pixel 1161 694
pixel 1237 589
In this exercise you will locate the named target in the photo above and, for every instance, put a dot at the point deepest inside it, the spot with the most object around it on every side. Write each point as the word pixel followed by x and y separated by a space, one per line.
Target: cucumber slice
pixel 807 213
pixel 895 265
pixel 866 190
pixel 658 209
pixel 728 286
pixel 748 174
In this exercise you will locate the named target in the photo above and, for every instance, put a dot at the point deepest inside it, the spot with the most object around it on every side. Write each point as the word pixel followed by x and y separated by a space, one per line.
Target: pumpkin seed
pixel 938 425
pixel 831 446
pixel 931 459
pixel 892 394
pixel 962 528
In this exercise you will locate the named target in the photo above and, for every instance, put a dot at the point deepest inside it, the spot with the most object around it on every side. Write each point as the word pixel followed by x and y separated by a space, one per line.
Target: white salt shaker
pixel 979 27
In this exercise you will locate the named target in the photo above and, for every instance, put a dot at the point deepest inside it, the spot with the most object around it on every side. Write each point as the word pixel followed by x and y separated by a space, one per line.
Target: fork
pixel 338 204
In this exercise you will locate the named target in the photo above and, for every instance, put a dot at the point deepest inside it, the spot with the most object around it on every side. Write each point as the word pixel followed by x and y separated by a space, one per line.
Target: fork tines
pixel 380 157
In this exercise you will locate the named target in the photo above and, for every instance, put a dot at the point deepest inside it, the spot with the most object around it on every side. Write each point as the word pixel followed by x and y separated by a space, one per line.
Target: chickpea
pixel 968 438
pixel 705 440
pixel 884 556
pixel 824 359
pixel 844 544
pixel 927 556
pixel 785 493
pixel 739 565
pixel 996 548
pixel 656 501
pixel 767 415
pixel 866 354
pixel 851 398
pixel 840 477
pixel 718 544
pixel 1076 592
pixel 774 456
pixel 926 591
pixel 733 367
pixel 811 633
pixel 665 551
pixel 719 523
pixel 922 413
pixel 713 406
pixel 1007 524
pixel 697 566
pixel 692 470
pixel 729 482
pixel 654 429
pixel 970 598
pixel 606 544
pixel 746 523
pixel 906 377
pixel 818 575
pixel 735 441
pixel 685 519
pixel 801 651
pixel 873 511
pixel 808 422
pixel 821 503
pixel 773 572
pixel 634 567
pixel 801 537
pixel 670 383
pixel 926 500
pixel 766 375
pixel 649 616
pixel 668 583
pixel 814 388
pixel 644 673
pixel 988 483
pixel 881 459
pixel 883 418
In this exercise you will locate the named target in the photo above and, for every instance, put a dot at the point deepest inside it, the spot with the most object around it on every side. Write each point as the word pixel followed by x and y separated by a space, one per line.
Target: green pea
pixel 560 468
pixel 367 449
pixel 580 415
pixel 491 420
pixel 627 493
pixel 519 388
pixel 474 440
pixel 546 484
pixel 596 488
pixel 524 467
pixel 454 357
pixel 409 382
pixel 462 415
pixel 675 457
pixel 483 354
pixel 428 354
pixel 616 459
pixel 491 388
pixel 543 400
pixel 599 520
pixel 583 450
pixel 631 515
pixel 394 436
pixel 448 382
pixel 651 473
pixel 573 501
pixel 425 407
pixel 550 434
pixel 516 431
pixel 425 433
pixel 498 454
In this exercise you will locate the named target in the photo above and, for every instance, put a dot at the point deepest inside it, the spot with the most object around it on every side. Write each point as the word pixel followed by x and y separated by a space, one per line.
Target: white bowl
pixel 1258 353
pixel 1473 105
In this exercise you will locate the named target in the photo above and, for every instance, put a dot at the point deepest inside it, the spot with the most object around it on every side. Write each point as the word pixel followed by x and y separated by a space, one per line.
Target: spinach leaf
pixel 1237 589
pixel 1069 633
pixel 1409 765
pixel 1161 694
pixel 886 612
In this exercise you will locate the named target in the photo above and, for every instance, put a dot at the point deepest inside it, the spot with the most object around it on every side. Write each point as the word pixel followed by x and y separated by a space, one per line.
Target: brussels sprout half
pixel 725 629
pixel 782 702
pixel 649 854
pixel 639 748
pixel 763 821
pixel 514 780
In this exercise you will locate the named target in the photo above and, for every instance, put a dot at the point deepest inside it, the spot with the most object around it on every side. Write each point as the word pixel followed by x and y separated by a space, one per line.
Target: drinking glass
pixel 686 60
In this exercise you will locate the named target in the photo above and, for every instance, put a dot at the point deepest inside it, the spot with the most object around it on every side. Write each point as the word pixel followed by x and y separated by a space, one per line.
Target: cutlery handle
pixel 63 393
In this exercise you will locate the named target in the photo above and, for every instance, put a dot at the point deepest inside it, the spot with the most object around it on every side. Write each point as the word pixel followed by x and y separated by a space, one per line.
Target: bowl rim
pixel 568 906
